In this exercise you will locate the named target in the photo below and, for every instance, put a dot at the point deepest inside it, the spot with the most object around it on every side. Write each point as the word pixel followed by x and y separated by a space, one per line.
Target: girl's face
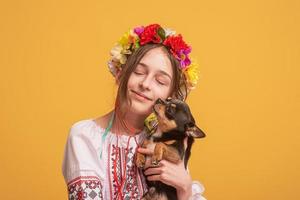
pixel 152 79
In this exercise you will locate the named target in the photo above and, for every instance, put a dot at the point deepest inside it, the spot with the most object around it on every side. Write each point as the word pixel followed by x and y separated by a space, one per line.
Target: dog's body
pixel 175 123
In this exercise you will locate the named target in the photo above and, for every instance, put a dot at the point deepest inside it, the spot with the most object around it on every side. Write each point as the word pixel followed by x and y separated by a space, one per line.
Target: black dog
pixel 174 123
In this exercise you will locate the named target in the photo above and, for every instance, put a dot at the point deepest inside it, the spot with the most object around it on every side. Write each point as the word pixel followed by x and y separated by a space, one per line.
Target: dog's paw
pixel 140 165
pixel 140 161
pixel 155 161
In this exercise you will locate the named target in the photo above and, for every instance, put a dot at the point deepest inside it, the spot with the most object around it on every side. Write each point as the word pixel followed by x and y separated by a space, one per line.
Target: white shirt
pixel 89 160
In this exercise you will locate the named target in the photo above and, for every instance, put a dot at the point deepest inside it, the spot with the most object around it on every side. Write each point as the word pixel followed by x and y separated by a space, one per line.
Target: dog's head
pixel 174 114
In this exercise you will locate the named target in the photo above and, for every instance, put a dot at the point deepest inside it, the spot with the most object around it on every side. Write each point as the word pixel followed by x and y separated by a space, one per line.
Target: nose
pixel 146 83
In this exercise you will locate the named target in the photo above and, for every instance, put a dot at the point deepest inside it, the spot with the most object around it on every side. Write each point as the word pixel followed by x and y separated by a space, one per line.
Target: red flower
pixel 177 45
pixel 150 34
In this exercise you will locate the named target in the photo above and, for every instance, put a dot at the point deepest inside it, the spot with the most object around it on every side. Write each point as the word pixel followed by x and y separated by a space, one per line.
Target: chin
pixel 141 108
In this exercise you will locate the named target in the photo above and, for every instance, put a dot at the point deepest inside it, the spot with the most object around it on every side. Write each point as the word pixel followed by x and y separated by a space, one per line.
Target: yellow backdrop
pixel 54 73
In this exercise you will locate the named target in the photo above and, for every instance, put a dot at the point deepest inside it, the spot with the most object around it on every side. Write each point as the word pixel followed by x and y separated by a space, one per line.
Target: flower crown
pixel 154 33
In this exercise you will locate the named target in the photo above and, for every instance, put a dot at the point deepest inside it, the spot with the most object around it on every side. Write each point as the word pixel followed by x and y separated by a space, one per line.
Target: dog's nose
pixel 159 101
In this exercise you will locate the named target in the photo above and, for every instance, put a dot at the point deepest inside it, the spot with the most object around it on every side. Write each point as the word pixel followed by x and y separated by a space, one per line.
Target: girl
pixel 99 161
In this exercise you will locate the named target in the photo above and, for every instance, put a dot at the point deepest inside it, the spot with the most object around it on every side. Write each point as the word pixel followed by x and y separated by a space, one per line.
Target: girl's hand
pixel 171 174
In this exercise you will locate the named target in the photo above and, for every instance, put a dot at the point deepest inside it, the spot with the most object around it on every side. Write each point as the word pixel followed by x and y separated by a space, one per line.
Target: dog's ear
pixel 194 131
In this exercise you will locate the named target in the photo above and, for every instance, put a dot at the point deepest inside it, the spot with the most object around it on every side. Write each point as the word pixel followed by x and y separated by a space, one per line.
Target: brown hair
pixel 179 85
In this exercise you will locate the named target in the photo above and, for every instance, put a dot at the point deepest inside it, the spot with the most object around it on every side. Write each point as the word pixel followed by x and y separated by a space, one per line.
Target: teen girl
pixel 99 161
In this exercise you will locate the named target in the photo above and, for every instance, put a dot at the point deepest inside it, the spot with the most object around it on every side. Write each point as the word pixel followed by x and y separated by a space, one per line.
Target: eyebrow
pixel 161 71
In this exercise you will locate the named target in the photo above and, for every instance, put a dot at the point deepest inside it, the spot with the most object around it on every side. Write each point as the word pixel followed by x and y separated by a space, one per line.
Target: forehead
pixel 157 59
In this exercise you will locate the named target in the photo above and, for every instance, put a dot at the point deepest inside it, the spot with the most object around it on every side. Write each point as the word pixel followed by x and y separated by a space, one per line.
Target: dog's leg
pixel 158 153
pixel 163 151
pixel 141 158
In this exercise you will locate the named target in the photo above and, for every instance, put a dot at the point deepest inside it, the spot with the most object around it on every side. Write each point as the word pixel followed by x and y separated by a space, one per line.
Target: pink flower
pixel 139 30
pixel 179 49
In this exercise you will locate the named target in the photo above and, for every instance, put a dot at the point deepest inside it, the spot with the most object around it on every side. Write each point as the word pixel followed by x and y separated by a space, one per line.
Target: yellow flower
pixel 151 123
pixel 123 41
pixel 122 48
pixel 127 39
pixel 191 73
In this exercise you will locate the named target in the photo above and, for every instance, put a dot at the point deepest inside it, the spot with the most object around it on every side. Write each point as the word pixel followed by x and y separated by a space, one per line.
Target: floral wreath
pixel 154 33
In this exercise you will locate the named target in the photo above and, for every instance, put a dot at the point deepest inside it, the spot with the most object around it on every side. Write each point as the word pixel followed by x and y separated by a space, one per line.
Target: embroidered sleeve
pixel 85 187
pixel 197 191
pixel 80 167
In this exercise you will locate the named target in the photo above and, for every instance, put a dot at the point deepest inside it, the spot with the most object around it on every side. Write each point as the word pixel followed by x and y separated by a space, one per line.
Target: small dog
pixel 174 123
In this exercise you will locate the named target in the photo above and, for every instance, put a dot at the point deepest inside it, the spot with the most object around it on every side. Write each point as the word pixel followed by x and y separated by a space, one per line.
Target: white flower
pixel 169 31
pixel 117 53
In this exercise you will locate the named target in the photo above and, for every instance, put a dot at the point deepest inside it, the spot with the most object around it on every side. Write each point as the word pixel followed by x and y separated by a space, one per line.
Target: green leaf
pixel 137 45
pixel 161 32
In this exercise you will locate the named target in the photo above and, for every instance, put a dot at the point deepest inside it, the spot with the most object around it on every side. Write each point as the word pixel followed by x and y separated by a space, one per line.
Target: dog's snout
pixel 159 101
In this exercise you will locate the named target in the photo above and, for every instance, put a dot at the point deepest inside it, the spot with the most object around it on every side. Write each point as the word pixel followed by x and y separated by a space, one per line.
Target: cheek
pixel 131 82
pixel 162 93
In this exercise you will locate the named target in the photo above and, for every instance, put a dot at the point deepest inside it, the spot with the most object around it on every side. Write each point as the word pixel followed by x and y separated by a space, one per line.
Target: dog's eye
pixel 169 114
pixel 171 109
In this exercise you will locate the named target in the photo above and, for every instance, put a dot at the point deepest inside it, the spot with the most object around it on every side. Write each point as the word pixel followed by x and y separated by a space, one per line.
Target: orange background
pixel 54 73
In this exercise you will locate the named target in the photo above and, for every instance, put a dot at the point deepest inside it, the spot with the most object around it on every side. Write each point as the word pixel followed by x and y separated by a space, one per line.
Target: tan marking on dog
pixel 163 151
pixel 171 154
pixel 164 123
pixel 170 142
pixel 151 146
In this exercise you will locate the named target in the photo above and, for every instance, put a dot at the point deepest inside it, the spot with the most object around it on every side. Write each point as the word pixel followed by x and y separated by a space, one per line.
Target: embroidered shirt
pixel 88 165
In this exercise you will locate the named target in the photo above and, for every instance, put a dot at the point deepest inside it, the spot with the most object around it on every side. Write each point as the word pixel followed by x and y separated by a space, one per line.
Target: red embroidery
pixel 133 187
pixel 85 187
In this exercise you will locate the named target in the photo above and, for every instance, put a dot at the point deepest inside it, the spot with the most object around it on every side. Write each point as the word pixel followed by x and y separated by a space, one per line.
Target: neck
pixel 133 122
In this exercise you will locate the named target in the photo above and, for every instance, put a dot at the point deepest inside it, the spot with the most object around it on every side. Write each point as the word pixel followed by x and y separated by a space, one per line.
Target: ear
pixel 193 131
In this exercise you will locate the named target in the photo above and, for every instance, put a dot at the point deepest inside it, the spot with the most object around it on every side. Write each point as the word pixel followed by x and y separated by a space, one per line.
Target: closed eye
pixel 161 83
pixel 138 73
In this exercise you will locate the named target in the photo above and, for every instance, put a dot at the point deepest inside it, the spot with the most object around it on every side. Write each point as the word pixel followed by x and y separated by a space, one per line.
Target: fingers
pixel 156 173
pixel 155 178
pixel 145 151
pixel 153 170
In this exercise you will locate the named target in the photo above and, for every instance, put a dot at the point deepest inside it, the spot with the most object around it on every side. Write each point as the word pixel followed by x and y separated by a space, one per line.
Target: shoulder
pixel 81 128
pixel 89 128
pixel 80 134
pixel 78 126
pixel 84 132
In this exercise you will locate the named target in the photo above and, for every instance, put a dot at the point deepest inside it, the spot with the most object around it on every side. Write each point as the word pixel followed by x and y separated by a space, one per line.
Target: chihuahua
pixel 174 123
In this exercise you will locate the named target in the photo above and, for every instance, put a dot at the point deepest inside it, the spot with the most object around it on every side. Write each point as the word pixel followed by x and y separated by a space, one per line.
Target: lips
pixel 140 94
